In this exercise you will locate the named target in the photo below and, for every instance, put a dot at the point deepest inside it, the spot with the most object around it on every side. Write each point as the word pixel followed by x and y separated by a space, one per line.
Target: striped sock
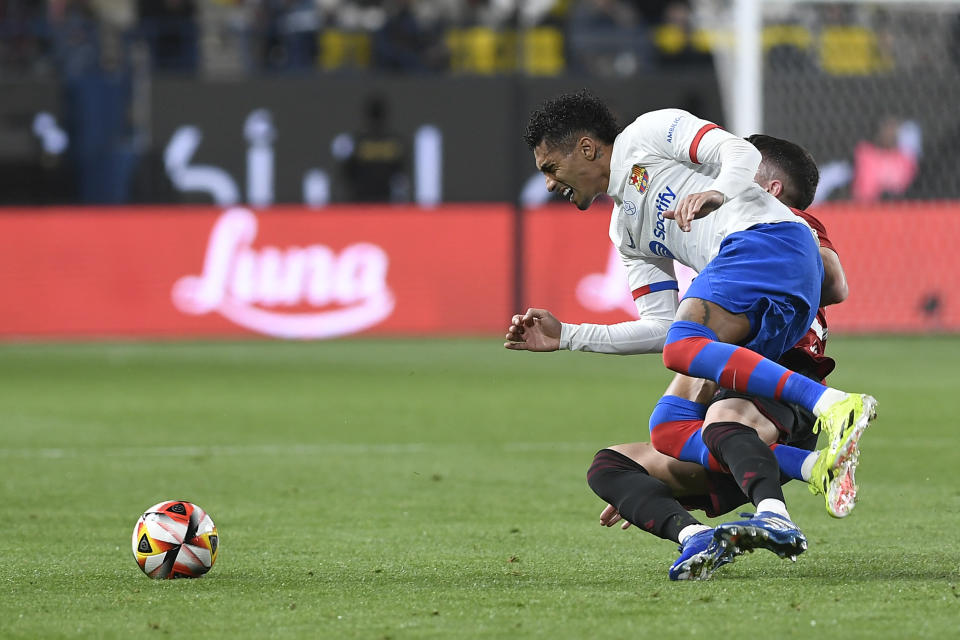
pixel 675 431
pixel 791 460
pixel 693 349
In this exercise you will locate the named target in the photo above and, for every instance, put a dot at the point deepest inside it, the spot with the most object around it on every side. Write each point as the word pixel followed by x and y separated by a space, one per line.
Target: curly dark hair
pixel 559 121
pixel 792 165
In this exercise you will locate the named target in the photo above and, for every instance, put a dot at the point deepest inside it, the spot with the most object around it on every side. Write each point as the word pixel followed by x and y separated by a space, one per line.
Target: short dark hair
pixel 559 121
pixel 794 166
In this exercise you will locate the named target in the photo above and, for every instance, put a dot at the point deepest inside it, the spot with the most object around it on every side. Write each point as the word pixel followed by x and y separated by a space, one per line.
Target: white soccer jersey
pixel 657 160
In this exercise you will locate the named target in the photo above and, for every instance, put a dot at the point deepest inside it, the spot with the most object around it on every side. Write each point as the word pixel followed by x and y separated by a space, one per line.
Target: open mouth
pixel 567 193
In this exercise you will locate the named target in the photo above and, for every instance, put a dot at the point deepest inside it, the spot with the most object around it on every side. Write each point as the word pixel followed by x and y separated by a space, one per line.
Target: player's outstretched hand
pixel 535 330
pixel 693 206
pixel 610 516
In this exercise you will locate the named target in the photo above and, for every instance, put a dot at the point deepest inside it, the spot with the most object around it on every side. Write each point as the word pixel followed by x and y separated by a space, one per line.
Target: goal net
pixel 870 88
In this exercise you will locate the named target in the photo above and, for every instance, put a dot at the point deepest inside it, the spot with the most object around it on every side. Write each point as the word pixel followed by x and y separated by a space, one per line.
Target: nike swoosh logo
pixel 631 243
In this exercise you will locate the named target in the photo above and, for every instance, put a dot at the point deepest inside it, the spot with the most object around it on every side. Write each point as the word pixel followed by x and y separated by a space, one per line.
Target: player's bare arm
pixel 834 289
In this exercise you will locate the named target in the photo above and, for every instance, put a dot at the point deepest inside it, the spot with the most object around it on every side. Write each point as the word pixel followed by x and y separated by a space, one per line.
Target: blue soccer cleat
pixel 765 530
pixel 700 556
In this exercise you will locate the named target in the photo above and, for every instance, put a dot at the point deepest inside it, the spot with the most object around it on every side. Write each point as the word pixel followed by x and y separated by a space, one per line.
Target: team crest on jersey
pixel 639 178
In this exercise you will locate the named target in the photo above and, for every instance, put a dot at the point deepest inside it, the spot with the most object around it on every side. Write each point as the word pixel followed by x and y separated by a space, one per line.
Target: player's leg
pixel 695 349
pixel 738 435
pixel 677 420
pixel 696 390
pixel 791 429
pixel 761 291
pixel 640 483
pixel 743 426
pixel 703 342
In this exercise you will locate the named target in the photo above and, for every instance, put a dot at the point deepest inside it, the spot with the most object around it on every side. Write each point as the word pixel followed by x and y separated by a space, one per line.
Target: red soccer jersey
pixel 808 354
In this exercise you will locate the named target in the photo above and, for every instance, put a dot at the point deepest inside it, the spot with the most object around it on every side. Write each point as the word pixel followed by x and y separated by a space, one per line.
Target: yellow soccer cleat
pixel 845 420
pixel 833 473
pixel 836 482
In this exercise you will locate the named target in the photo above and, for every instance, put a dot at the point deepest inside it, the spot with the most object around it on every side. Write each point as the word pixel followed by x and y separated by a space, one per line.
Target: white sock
pixel 806 469
pixel 774 505
pixel 691 529
pixel 829 397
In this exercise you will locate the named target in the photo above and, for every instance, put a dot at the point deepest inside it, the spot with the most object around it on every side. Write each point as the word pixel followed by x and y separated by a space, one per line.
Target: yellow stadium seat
pixel 543 51
pixel 343 49
pixel 851 51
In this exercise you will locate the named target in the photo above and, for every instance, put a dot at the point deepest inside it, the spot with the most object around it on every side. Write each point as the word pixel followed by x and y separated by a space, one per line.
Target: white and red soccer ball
pixel 175 539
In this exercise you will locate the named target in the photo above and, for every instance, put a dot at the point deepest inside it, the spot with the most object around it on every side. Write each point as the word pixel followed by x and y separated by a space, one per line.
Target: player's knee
pixel 685 340
pixel 660 417
pixel 632 450
pixel 672 422
pixel 678 355
pixel 717 436
pixel 671 356
pixel 607 465
pixel 745 412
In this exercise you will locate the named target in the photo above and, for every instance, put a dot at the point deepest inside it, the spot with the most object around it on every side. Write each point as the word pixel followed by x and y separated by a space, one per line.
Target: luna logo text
pixel 294 292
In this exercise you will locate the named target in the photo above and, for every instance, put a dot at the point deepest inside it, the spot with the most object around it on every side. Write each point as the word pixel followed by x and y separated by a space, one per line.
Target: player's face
pixel 575 175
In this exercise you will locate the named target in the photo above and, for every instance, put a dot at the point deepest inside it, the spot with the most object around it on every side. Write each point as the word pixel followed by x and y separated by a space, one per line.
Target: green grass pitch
pixel 436 489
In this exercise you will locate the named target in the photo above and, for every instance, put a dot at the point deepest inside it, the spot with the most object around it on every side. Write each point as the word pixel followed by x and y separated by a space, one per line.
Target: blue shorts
pixel 771 273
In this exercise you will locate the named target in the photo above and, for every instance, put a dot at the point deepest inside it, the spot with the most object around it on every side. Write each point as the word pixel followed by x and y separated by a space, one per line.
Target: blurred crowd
pixel 544 37
pixel 97 124
pixel 537 37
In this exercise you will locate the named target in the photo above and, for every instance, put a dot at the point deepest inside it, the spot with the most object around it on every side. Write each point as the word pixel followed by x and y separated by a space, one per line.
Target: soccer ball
pixel 175 539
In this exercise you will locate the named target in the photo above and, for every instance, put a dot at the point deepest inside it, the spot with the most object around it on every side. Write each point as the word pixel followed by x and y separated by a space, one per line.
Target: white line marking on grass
pixel 290 449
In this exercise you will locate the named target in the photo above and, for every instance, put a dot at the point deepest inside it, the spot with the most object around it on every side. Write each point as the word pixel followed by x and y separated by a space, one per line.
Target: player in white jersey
pixel 759 267
pixel 639 479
